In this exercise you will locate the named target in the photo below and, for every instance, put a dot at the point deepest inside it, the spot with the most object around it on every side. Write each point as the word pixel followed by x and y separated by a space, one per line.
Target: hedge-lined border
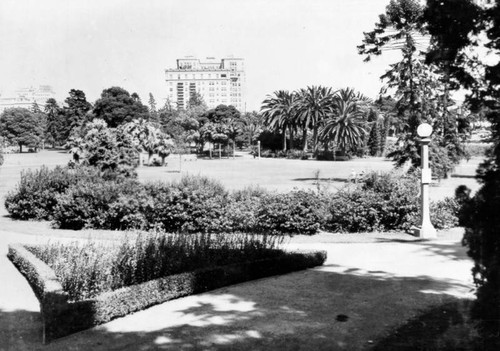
pixel 62 317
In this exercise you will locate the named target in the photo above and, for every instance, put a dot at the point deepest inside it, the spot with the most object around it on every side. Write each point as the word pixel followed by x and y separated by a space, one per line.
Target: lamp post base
pixel 425 232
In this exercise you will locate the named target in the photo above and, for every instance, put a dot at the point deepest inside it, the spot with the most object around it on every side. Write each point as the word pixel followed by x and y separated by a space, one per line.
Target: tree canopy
pixel 116 106
pixel 22 127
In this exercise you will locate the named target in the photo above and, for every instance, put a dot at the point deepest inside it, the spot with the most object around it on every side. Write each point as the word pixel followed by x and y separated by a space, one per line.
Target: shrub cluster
pixel 383 201
pixel 36 193
pixel 81 199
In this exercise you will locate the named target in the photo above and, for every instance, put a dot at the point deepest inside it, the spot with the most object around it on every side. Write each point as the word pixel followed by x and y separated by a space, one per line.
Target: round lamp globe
pixel 424 130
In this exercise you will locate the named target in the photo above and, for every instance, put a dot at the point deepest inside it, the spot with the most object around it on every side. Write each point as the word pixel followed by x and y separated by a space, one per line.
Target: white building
pixel 26 97
pixel 217 81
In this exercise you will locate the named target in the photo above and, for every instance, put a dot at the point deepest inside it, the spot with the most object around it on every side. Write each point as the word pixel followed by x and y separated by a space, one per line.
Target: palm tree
pixel 314 105
pixel 346 127
pixel 279 113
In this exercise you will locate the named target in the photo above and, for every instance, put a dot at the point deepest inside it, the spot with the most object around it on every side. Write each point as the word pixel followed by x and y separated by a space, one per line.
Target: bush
pixel 444 213
pixel 101 204
pixel 35 196
pixel 297 154
pixel 243 207
pixel 384 201
pixel 297 212
pixel 195 204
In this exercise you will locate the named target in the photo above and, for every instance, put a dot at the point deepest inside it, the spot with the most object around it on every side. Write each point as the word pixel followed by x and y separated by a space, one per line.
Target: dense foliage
pixel 117 106
pixel 21 127
pixel 110 150
pixel 422 89
pixel 458 29
pixel 327 118
pixel 383 202
pixel 88 269
pixel 36 193
pixel 82 198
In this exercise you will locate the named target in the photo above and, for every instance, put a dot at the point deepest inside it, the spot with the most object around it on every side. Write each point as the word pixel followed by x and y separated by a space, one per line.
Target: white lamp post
pixel 426 229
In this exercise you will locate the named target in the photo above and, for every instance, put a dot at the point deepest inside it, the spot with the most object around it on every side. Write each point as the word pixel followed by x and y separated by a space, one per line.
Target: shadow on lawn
pixel 425 332
pixel 340 180
pixel 298 311
pixel 20 330
pixel 449 250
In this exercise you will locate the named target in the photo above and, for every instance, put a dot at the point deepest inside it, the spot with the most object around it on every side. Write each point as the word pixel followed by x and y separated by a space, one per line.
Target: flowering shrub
pixel 88 269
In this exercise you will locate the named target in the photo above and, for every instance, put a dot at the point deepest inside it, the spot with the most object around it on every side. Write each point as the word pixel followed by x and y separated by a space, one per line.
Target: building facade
pixel 217 81
pixel 26 97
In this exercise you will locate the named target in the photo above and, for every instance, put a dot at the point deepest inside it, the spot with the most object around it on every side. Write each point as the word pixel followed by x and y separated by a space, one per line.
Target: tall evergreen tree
pixel 457 28
pixel 75 111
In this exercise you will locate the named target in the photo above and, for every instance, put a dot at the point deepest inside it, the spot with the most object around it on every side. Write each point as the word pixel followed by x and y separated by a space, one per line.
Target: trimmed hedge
pixel 61 317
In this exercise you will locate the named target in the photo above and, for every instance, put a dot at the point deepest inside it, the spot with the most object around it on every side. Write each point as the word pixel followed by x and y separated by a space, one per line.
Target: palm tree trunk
pixel 291 137
pixel 304 139
pixel 315 141
pixel 284 139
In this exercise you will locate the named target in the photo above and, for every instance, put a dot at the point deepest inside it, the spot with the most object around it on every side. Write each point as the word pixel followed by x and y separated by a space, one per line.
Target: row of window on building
pixel 201 75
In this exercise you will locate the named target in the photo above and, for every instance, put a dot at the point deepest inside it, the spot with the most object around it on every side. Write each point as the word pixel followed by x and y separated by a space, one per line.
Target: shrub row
pixel 88 269
pixel 62 317
pixel 81 199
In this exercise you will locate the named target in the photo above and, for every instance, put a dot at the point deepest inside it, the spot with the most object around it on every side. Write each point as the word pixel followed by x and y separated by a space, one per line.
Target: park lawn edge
pixel 62 317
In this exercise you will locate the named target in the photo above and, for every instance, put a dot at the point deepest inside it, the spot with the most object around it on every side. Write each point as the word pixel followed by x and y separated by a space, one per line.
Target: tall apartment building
pixel 25 97
pixel 217 81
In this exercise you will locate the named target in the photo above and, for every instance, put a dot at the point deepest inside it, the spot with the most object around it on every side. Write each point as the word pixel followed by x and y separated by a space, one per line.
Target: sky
pixel 92 45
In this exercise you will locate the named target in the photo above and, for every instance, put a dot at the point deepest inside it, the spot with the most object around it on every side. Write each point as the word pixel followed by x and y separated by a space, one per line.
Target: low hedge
pixel 62 317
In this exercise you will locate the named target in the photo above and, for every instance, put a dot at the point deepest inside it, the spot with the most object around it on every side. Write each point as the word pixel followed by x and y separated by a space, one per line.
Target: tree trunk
pixel 290 144
pixel 315 141
pixel 304 139
pixel 20 148
pixel 284 139
pixel 150 154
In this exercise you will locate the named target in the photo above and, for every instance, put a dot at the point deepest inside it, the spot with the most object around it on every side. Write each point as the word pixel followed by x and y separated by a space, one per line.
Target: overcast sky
pixel 95 44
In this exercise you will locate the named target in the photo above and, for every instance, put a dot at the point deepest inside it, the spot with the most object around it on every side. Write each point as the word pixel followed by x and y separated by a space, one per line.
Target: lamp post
pixel 426 229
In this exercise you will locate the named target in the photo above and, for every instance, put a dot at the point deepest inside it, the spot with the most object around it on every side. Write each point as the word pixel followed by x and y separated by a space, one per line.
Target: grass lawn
pixel 273 174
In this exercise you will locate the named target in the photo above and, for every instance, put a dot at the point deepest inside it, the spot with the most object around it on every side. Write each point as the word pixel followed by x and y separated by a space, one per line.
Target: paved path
pixel 378 282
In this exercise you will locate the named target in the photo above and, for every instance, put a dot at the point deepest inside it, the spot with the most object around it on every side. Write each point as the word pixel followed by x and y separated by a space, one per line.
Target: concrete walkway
pixel 379 281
